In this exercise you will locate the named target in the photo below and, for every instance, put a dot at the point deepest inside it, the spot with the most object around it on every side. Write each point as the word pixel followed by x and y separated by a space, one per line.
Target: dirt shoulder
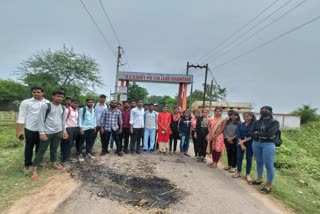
pixel 201 189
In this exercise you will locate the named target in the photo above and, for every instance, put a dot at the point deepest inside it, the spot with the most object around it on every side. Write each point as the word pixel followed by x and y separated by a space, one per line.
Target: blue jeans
pixel 249 154
pixel 149 133
pixel 184 142
pixel 264 154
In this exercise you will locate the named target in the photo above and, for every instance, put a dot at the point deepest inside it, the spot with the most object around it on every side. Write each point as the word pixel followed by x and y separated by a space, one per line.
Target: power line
pixel 269 41
pixel 246 39
pixel 214 79
pixel 238 30
pixel 253 27
pixel 114 32
pixel 104 38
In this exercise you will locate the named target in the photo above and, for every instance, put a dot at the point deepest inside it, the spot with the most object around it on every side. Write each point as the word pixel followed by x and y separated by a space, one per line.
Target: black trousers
pixel 66 145
pixel 136 140
pixel 98 130
pixel 124 138
pixel 173 138
pixel 88 137
pixel 105 142
pixel 231 153
pixel 32 140
pixel 195 144
pixel 202 141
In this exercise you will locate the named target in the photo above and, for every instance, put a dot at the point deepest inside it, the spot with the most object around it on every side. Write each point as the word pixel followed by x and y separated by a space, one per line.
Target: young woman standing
pixel 201 134
pixel 196 115
pixel 215 137
pixel 174 129
pixel 245 145
pixel 263 133
pixel 185 132
pixel 164 121
pixel 230 139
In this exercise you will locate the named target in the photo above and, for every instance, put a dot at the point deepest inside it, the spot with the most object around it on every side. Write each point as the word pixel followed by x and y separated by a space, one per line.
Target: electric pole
pixel 205 82
pixel 211 93
pixel 117 74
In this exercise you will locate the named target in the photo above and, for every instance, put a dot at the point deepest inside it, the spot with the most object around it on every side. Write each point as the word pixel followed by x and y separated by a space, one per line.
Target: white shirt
pixel 151 120
pixel 98 109
pixel 29 111
pixel 137 117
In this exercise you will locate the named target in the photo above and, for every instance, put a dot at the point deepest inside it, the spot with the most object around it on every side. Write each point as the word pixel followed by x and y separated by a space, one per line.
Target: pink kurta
pixel 217 143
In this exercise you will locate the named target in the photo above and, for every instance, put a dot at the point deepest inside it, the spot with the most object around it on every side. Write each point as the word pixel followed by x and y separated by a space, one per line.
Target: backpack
pixel 49 109
pixel 277 138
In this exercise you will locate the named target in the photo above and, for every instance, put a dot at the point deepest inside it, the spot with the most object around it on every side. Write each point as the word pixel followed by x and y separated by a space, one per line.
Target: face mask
pixel 265 114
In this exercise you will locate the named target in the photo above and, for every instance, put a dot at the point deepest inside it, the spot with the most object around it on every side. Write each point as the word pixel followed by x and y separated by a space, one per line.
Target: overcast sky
pixel 161 36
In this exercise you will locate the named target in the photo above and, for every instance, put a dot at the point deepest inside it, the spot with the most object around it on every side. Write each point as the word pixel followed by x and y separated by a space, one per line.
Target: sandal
pixel 210 164
pixel 34 177
pixel 236 175
pixel 58 167
pixel 227 168
pixel 256 182
pixel 249 179
pixel 265 190
pixel 232 170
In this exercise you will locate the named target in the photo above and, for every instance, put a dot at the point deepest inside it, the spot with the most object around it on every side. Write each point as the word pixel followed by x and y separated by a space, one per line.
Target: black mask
pixel 265 114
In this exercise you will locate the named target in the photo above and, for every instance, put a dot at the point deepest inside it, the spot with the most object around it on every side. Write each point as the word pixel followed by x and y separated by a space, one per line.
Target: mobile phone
pixel 21 137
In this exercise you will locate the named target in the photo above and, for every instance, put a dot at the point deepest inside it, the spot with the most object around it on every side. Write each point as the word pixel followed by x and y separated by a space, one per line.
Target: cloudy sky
pixel 161 36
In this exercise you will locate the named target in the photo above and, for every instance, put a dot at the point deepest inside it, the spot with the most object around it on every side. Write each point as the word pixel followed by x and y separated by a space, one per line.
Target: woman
pixel 215 137
pixel 174 129
pixel 185 132
pixel 201 133
pixel 196 114
pixel 164 121
pixel 230 139
pixel 263 133
pixel 245 145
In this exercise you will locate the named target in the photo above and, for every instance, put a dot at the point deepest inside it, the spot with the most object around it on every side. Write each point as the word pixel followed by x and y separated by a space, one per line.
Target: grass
pixel 14 182
pixel 297 181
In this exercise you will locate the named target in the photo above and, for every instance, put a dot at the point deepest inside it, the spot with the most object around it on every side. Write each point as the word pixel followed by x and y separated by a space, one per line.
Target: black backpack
pixel 277 139
pixel 49 109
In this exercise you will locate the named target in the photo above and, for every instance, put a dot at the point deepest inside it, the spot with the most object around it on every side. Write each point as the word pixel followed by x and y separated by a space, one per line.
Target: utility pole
pixel 205 81
pixel 117 74
pixel 191 90
pixel 211 94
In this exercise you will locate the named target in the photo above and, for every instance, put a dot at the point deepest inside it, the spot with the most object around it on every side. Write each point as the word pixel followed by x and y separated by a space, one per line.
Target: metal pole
pixel 205 88
pixel 117 74
pixel 211 94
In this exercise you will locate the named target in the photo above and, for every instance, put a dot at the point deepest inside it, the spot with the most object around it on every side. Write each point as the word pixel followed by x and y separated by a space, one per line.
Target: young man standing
pixel 28 116
pixel 72 128
pixel 87 126
pixel 51 127
pixel 98 110
pixel 136 127
pixel 150 127
pixel 124 137
pixel 68 101
pixel 111 123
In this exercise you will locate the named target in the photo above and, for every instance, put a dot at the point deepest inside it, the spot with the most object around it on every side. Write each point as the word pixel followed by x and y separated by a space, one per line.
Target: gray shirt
pixel 231 129
pixel 56 119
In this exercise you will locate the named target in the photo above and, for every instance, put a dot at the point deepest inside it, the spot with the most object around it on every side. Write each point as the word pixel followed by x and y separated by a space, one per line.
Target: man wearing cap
pixel 98 109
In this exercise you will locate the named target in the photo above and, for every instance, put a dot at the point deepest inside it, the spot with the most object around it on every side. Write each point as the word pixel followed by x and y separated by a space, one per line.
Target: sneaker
pixel 126 152
pixel 91 156
pixel 80 158
pixel 120 154
pixel 103 153
pixel 151 150
pixel 72 160
pixel 145 150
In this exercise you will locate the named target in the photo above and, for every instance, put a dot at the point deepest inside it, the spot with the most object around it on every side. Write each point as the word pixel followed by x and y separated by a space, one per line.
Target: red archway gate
pixel 181 79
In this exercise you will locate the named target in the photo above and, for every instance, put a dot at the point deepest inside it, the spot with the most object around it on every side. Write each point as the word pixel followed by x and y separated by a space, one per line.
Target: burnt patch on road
pixel 145 191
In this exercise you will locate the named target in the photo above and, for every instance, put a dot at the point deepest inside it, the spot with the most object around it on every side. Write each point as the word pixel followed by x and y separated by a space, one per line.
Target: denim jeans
pixel 149 133
pixel 249 154
pixel 264 154
pixel 184 143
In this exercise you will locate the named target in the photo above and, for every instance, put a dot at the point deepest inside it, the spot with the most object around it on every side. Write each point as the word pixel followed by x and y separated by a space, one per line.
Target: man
pixel 87 129
pixel 133 104
pixel 111 123
pixel 51 127
pixel 125 126
pixel 136 127
pixel 68 101
pixel 72 130
pixel 28 116
pixel 98 109
pixel 150 127
pixel 146 107
pixel 156 107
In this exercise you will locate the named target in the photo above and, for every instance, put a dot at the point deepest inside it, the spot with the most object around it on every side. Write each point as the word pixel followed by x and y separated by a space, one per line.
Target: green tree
pixel 62 69
pixel 307 113
pixel 136 92
pixel 11 91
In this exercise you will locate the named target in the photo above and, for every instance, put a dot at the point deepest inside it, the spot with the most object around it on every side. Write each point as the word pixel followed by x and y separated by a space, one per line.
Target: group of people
pixel 136 128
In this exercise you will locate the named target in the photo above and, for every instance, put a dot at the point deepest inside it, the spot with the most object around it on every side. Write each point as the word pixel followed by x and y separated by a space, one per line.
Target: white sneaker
pixel 91 156
pixel 80 158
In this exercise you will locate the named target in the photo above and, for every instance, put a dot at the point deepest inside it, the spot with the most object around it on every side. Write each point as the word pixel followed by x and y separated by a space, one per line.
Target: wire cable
pixel 253 27
pixel 104 38
pixel 268 42
pixel 246 39
pixel 238 30
pixel 214 79
pixel 114 32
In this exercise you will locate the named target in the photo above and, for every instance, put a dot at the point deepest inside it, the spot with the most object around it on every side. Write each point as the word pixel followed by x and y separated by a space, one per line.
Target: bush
pixel 307 114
